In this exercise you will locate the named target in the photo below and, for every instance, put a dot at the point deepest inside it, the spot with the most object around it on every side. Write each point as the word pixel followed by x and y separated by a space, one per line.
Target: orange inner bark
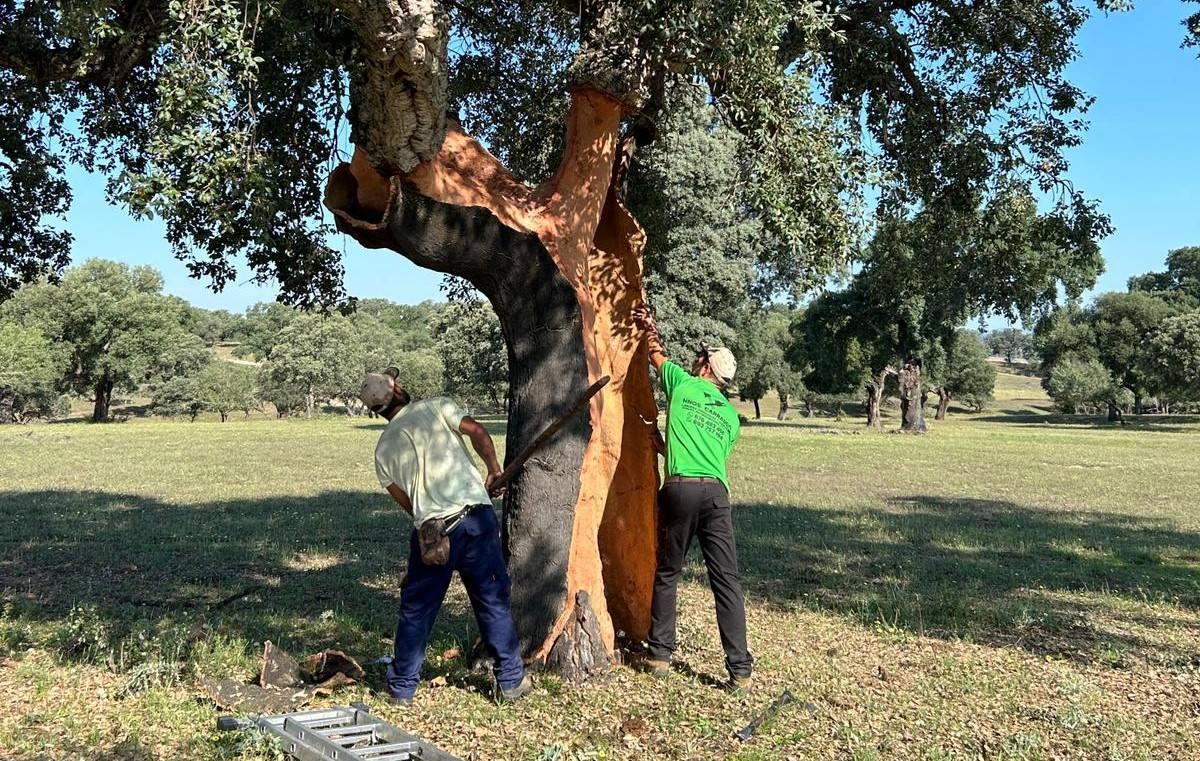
pixel 597 245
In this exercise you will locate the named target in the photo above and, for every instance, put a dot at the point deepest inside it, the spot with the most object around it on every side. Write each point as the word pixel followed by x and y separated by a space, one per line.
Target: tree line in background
pixel 1136 351
pixel 107 330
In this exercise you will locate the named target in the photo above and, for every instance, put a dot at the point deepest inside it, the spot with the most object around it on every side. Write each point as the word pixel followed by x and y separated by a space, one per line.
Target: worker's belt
pixel 452 520
pixel 434 535
pixel 693 480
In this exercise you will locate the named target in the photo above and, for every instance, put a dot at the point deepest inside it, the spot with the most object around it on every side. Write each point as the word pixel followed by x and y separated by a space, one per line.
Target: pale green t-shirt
pixel 422 452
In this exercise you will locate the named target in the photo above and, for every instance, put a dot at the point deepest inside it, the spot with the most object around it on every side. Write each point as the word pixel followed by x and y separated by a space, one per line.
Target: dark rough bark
pixel 1114 413
pixel 943 404
pixel 398 96
pixel 103 401
pixel 547 369
pixel 757 410
pixel 6 405
pixel 912 411
pixel 579 652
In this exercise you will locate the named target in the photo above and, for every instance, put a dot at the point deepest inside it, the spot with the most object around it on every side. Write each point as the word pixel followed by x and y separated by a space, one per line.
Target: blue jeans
pixel 475 553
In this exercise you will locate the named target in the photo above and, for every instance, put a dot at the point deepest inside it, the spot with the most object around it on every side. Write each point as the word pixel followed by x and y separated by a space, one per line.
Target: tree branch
pixel 398 90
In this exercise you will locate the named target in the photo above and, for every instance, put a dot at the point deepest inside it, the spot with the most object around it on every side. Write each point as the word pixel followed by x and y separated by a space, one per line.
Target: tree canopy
pixel 1173 361
pixel 923 277
pixel 701 243
pixel 30 369
pixel 1078 385
pixel 221 118
pixel 116 326
pixel 1114 331
pixel 1180 282
pixel 1010 343
pixel 318 357
pixel 761 348
pixel 966 374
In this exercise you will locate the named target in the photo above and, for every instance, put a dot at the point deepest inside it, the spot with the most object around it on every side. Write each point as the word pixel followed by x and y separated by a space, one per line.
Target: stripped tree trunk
pixel 562 267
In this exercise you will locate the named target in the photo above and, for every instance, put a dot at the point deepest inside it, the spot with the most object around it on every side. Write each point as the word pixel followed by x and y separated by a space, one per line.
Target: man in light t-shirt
pixel 422 462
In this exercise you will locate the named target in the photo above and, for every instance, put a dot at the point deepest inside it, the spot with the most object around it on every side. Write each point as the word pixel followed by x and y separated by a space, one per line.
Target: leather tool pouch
pixel 435 543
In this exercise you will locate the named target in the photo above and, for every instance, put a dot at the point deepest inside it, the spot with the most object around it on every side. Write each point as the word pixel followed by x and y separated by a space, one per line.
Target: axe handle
pixel 746 732
pixel 519 461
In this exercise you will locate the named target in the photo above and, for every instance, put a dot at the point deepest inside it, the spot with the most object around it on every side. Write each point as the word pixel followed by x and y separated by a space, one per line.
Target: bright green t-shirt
pixel 701 425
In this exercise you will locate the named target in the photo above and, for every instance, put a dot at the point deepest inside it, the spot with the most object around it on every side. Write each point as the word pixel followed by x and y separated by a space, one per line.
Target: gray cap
pixel 376 390
pixel 722 363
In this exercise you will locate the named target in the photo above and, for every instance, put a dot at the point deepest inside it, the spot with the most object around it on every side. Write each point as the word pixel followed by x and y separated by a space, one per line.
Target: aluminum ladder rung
pixel 387 751
pixel 333 729
pixel 337 734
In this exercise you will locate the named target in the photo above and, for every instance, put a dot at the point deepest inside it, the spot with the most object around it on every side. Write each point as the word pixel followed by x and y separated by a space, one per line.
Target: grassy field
pixel 1015 585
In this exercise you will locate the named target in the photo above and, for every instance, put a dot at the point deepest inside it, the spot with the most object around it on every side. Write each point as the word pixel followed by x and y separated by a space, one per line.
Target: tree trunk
pixel 783 406
pixel 1137 403
pixel 562 267
pixel 757 411
pixel 310 403
pixel 104 388
pixel 808 408
pixel 7 399
pixel 943 403
pixel 875 399
pixel 912 411
pixel 1114 412
pixel 838 413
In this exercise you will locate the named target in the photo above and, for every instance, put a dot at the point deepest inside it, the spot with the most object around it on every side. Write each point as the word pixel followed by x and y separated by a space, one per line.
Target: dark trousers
pixel 698 509
pixel 475 553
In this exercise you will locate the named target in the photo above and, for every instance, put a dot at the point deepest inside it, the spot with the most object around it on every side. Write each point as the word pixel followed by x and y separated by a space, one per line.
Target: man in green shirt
pixel 702 427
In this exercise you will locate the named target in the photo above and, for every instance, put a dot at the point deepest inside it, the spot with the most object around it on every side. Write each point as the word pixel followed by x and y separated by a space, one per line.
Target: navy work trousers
pixel 475 553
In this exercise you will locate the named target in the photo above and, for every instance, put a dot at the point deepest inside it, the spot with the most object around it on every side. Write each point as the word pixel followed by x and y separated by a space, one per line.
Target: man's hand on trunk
pixel 494 488
pixel 645 320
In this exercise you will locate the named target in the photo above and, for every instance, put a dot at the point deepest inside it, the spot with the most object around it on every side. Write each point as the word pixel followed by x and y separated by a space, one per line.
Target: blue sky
pixel 1140 157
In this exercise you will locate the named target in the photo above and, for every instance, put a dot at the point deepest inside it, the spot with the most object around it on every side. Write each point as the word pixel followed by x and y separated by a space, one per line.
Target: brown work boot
pixel 738 684
pixel 513 694
pixel 656 668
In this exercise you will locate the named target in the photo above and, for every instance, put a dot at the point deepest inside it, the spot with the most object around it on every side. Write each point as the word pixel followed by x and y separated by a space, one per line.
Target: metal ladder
pixel 340 733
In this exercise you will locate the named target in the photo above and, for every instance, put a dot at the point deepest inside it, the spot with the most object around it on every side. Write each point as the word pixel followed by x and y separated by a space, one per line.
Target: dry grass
pixel 1012 586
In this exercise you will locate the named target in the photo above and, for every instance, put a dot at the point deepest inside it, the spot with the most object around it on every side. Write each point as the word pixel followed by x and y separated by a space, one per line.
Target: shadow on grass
pixel 992 571
pixel 1160 423
pixel 324 571
pixel 306 573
